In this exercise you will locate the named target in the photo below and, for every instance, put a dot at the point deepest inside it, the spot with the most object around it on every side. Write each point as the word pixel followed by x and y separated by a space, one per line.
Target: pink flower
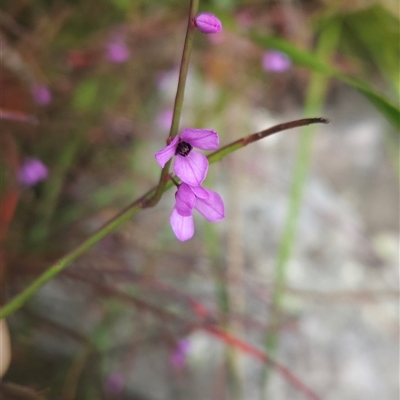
pixel 178 356
pixel 208 23
pixel 32 171
pixel 276 61
pixel 117 51
pixel 205 201
pixel 41 94
pixel 191 167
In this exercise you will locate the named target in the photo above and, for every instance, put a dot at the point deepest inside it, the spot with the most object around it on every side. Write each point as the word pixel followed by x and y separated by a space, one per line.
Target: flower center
pixel 183 149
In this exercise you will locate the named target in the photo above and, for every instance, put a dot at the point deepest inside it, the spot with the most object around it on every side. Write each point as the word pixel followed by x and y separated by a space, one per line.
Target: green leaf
pixel 374 33
pixel 307 59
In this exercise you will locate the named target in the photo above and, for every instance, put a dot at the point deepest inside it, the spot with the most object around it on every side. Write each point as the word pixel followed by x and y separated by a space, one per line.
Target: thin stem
pixel 11 115
pixel 238 144
pixel 180 92
pixel 147 200
pixel 184 68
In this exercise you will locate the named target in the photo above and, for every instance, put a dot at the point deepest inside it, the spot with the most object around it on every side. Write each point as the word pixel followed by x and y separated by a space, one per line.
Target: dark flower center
pixel 183 149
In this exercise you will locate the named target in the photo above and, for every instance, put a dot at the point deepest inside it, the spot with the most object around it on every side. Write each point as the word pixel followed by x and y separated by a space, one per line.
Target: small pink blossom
pixel 32 171
pixel 117 51
pixel 191 167
pixel 178 356
pixel 205 201
pixel 41 94
pixel 276 61
pixel 208 23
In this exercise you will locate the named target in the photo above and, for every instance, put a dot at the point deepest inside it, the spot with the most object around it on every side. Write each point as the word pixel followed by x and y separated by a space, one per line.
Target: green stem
pixel 70 257
pixel 146 201
pixel 219 154
pixel 180 92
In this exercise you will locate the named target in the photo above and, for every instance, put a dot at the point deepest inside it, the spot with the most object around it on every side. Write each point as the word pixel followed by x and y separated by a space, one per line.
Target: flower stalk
pixel 180 92
pixel 146 201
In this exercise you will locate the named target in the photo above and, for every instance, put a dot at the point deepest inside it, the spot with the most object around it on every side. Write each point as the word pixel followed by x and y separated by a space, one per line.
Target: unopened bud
pixel 208 23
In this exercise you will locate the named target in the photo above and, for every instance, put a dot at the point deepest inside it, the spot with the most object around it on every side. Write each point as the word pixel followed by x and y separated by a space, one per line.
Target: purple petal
pixel 200 192
pixel 164 155
pixel 205 139
pixel 192 169
pixel 185 200
pixel 208 23
pixel 183 227
pixel 212 208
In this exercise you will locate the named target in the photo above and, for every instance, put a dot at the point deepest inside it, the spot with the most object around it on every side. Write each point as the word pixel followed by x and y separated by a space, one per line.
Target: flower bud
pixel 208 23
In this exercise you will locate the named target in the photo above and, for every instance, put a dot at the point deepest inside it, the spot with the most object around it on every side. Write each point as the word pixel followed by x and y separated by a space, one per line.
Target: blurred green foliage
pixel 372 35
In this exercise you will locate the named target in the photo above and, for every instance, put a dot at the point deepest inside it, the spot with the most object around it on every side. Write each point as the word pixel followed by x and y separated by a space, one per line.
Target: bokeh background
pixel 305 264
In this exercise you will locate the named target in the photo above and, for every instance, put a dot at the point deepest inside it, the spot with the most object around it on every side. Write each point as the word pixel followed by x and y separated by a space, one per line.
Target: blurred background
pixel 303 267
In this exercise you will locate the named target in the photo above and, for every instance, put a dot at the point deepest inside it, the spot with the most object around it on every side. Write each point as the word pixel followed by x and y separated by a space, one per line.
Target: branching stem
pixel 146 201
